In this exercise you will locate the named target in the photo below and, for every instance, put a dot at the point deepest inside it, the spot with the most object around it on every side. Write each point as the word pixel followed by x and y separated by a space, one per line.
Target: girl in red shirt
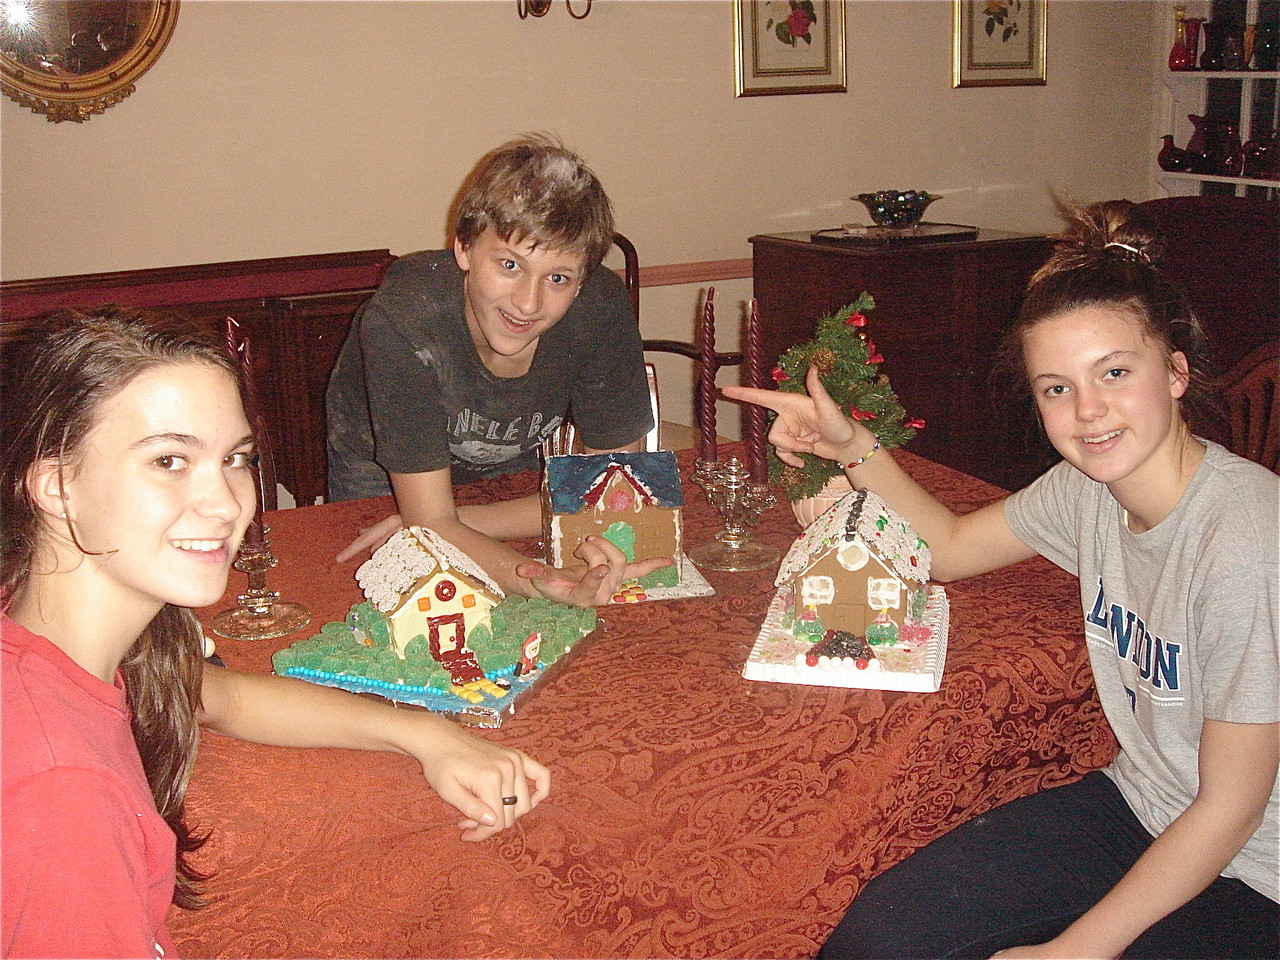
pixel 127 487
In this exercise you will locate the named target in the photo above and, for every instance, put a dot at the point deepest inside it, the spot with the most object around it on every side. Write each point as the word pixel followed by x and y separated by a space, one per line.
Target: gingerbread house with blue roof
pixel 633 500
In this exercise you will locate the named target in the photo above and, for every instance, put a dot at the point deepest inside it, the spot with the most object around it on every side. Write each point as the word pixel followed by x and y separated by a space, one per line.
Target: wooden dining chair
pixel 687 349
pixel 1252 396
pixel 565 440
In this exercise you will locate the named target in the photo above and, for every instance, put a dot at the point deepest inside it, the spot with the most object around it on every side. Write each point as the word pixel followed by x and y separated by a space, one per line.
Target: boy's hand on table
pixel 606 569
pixel 371 538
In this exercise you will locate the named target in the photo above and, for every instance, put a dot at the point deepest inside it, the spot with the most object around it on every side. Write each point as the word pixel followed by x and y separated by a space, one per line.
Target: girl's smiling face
pixel 1107 394
pixel 162 490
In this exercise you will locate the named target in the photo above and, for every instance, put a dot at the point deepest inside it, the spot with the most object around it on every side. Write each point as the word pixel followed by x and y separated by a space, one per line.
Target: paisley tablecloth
pixel 693 813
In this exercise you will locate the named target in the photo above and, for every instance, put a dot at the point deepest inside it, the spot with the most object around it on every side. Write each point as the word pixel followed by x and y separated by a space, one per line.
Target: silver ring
pixel 510 801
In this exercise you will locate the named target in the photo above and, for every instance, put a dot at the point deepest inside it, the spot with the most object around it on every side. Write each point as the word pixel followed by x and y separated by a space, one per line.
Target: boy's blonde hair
pixel 534 189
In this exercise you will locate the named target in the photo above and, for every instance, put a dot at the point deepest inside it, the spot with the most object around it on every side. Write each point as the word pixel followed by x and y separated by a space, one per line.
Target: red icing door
pixel 448 641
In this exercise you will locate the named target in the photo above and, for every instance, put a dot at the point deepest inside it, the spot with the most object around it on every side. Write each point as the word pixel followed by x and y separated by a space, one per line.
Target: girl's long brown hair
pixel 55 383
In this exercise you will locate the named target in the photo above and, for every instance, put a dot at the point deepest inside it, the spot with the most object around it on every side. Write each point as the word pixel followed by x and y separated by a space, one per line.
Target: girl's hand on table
pixel 371 538
pixel 474 776
pixel 597 582
pixel 811 423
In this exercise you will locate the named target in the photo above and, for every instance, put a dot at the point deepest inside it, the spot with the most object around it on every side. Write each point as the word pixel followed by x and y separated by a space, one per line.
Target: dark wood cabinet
pixel 941 309
pixel 307 333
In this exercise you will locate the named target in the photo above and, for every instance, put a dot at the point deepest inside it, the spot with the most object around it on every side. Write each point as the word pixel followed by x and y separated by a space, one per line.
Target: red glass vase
pixel 1261 157
pixel 1215 35
pixel 1207 148
pixel 1171 157
pixel 1186 38
pixel 1231 150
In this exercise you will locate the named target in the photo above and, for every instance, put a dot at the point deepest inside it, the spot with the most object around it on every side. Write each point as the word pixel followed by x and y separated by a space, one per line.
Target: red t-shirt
pixel 87 862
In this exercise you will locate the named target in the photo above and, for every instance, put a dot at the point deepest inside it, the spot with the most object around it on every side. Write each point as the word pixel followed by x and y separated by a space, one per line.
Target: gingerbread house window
pixel 884 593
pixel 853 555
pixel 817 590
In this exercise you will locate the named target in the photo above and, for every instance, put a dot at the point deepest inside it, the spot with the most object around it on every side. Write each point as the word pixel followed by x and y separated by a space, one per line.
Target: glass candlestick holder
pixel 260 614
pixel 739 502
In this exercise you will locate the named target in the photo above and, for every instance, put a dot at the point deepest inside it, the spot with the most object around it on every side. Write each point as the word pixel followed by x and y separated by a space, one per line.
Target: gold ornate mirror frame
pixel 70 59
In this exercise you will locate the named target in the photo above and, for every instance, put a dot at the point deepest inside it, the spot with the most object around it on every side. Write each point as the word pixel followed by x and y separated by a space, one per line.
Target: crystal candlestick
pixel 739 502
pixel 260 614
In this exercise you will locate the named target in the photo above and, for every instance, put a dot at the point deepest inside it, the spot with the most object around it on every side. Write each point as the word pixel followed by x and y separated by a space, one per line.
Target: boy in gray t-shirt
pixel 464 360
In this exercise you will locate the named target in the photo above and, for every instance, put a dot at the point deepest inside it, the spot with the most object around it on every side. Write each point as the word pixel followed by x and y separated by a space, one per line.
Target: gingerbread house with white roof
pixel 427 587
pixel 859 568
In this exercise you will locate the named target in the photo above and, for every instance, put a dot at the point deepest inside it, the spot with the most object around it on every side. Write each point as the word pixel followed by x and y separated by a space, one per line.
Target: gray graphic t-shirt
pixel 1182 624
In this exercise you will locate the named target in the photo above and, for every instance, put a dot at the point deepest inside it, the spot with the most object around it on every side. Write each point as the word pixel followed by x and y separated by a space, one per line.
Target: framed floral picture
pixel 998 43
pixel 789 46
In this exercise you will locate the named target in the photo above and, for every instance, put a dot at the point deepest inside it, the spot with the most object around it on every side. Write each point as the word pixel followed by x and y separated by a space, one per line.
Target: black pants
pixel 1024 872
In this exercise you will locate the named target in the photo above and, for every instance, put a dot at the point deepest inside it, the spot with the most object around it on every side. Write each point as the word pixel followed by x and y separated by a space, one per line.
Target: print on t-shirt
pixel 1148 662
pixel 482 442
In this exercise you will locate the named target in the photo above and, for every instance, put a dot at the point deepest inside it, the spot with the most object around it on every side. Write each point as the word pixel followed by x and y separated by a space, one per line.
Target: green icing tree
pixel 493 655
pixel 623 536
pixel 375 626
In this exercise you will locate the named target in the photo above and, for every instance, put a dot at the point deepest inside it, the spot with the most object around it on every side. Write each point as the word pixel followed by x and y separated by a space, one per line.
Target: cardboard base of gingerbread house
pixel 780 656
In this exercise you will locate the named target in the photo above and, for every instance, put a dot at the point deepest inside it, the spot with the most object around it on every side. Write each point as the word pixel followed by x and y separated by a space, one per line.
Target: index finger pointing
pixel 775 400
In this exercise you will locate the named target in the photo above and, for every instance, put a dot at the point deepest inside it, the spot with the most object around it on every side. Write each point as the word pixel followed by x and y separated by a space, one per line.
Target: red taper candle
pixel 755 413
pixel 707 380
pixel 239 350
pixel 255 535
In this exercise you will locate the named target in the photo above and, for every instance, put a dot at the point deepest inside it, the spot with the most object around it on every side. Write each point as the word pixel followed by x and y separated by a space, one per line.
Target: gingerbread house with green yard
pixel 427 588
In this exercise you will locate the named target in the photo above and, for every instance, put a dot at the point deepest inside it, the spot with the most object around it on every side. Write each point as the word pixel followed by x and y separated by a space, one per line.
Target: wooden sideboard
pixel 294 310
pixel 941 308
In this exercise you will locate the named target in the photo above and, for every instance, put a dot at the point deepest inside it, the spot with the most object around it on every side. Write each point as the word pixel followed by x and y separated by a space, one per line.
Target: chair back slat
pixel 1252 395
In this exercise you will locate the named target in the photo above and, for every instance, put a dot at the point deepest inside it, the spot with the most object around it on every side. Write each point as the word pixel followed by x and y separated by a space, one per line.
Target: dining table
pixel 692 812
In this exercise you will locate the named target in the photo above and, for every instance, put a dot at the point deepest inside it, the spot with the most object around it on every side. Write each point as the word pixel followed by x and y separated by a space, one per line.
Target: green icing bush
pixel 662 577
pixel 561 626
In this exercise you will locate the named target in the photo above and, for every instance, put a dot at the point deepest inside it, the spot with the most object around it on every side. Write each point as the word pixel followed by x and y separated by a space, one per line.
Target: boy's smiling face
pixel 514 292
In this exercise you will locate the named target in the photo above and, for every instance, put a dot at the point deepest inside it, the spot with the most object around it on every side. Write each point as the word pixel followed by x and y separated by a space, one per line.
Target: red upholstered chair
pixel 1225 252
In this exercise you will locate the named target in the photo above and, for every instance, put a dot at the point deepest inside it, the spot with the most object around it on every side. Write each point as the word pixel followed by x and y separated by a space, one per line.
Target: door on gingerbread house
pixel 448 638
pixel 623 536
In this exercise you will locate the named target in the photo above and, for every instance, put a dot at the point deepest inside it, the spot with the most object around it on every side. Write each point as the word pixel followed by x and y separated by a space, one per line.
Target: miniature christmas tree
pixel 849 366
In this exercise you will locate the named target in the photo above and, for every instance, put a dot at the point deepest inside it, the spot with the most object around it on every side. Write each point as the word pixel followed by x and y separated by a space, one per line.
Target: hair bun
pixel 1111 228
pixel 1128 249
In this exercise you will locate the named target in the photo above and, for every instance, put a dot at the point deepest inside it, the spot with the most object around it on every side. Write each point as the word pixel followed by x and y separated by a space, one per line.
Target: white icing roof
pixel 410 555
pixel 863 516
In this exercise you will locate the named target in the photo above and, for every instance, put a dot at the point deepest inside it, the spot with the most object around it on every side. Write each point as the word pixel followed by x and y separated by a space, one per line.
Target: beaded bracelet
pixel 861 460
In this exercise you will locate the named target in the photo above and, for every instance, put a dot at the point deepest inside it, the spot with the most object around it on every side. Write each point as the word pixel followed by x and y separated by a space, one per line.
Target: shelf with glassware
pixel 1214 151
pixel 1225 113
